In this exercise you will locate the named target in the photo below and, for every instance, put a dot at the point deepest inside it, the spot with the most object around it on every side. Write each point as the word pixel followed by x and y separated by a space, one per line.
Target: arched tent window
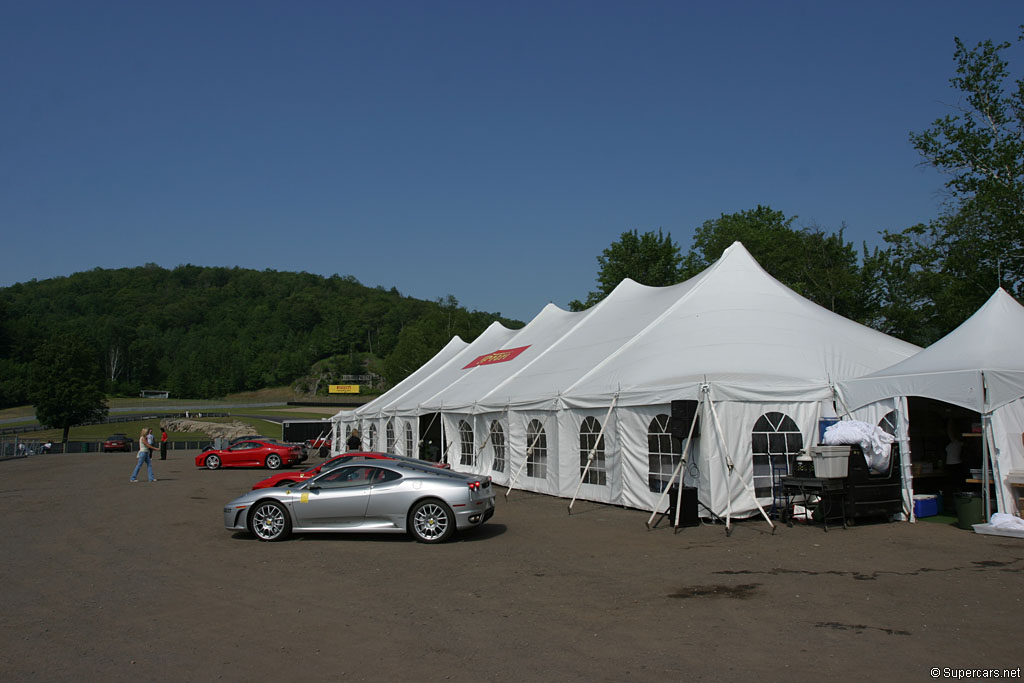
pixel 536 450
pixel 389 436
pixel 592 441
pixel 371 444
pixel 468 453
pixel 775 441
pixel 409 451
pixel 888 423
pixel 663 453
pixel 498 444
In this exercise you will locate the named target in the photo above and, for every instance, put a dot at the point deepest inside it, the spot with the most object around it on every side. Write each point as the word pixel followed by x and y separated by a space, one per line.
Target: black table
pixel 830 491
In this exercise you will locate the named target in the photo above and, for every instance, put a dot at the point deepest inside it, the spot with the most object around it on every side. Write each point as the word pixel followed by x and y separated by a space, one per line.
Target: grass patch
pixel 940 519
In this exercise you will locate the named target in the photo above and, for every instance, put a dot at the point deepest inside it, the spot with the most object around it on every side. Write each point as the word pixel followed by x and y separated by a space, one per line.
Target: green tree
pixel 818 265
pixel 66 383
pixel 956 261
pixel 766 233
pixel 650 259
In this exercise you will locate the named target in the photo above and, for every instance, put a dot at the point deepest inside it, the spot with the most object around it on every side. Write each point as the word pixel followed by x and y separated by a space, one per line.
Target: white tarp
pixel 732 335
pixel 978 366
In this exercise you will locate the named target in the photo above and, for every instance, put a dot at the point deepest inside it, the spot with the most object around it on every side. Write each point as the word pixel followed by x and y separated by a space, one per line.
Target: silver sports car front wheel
pixel 270 522
pixel 431 521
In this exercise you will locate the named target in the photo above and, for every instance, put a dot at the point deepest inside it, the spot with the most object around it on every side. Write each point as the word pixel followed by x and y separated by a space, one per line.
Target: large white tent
pixel 978 366
pixel 577 403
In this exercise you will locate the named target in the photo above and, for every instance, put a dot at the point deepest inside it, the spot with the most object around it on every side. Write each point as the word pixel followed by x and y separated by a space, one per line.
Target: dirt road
pixel 107 580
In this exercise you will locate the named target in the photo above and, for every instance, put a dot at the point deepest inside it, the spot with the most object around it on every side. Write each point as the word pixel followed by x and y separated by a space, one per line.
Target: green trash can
pixel 969 510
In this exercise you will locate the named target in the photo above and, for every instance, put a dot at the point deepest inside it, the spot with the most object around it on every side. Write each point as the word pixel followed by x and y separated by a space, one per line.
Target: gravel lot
pixel 107 580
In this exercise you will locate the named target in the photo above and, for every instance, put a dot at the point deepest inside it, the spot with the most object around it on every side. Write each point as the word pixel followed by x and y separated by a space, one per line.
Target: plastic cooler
pixel 926 505
pixel 831 462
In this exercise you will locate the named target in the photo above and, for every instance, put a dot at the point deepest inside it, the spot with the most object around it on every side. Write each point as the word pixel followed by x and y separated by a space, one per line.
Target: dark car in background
pixel 117 442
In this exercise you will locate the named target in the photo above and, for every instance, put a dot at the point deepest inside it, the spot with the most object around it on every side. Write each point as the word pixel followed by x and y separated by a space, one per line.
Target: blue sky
pixel 487 150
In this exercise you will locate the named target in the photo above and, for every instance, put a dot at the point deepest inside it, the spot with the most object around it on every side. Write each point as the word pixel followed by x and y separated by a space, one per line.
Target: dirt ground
pixel 107 580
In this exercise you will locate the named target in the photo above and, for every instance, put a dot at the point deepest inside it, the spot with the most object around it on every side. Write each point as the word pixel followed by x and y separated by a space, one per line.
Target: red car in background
pixel 290 478
pixel 117 442
pixel 252 453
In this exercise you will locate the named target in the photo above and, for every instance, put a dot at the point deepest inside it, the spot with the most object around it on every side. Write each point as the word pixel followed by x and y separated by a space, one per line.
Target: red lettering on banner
pixel 501 356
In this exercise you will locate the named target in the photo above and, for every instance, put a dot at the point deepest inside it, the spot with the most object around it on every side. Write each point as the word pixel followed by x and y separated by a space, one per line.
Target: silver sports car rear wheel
pixel 270 522
pixel 431 521
pixel 212 462
pixel 273 461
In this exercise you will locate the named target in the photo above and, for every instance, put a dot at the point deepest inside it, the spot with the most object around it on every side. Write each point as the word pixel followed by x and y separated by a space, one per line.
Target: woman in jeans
pixel 144 457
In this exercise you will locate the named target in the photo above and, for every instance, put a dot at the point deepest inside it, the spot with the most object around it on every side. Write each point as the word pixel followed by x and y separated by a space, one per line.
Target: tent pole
pixel 706 388
pixel 989 463
pixel 846 409
pixel 486 440
pixel 444 436
pixel 732 468
pixel 899 405
pixel 590 455
pixel 985 499
pixel 997 475
pixel 678 472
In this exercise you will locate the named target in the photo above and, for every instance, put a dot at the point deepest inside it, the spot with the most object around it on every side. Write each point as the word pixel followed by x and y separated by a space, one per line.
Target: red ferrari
pixel 291 478
pixel 252 453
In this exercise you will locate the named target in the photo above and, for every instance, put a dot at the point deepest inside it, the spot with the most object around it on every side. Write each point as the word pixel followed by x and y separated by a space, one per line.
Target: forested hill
pixel 207 332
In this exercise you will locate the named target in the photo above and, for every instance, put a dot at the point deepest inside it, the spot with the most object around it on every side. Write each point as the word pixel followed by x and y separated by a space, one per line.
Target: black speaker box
pixel 683 413
pixel 688 509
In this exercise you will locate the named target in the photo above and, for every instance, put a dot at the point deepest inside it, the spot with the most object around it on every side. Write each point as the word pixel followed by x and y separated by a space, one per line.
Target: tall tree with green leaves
pixel 818 265
pixel 977 244
pixel 650 259
pixel 66 383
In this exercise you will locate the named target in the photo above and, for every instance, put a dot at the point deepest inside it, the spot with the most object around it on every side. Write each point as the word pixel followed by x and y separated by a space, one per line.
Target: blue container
pixel 823 424
pixel 926 505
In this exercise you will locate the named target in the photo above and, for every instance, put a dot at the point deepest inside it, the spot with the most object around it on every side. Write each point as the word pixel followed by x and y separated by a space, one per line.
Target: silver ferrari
pixel 368 496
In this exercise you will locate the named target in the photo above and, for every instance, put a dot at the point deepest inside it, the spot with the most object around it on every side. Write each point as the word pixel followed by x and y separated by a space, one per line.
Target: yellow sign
pixel 343 388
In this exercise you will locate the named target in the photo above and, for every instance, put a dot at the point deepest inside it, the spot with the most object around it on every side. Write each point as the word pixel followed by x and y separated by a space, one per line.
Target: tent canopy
pixel 732 335
pixel 978 366
pixel 733 326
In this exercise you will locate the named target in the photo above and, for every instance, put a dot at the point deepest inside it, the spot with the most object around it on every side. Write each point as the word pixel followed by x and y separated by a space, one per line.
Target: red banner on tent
pixel 496 357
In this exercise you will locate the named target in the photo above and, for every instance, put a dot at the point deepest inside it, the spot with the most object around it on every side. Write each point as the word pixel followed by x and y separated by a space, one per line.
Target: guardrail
pixel 18 448
pixel 4 431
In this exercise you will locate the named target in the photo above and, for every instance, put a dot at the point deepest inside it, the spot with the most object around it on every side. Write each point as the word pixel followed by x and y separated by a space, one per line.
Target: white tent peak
pixel 978 366
pixel 995 334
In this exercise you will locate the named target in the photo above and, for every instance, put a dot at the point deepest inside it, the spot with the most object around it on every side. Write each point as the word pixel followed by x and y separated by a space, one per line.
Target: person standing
pixel 354 443
pixel 163 443
pixel 144 456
